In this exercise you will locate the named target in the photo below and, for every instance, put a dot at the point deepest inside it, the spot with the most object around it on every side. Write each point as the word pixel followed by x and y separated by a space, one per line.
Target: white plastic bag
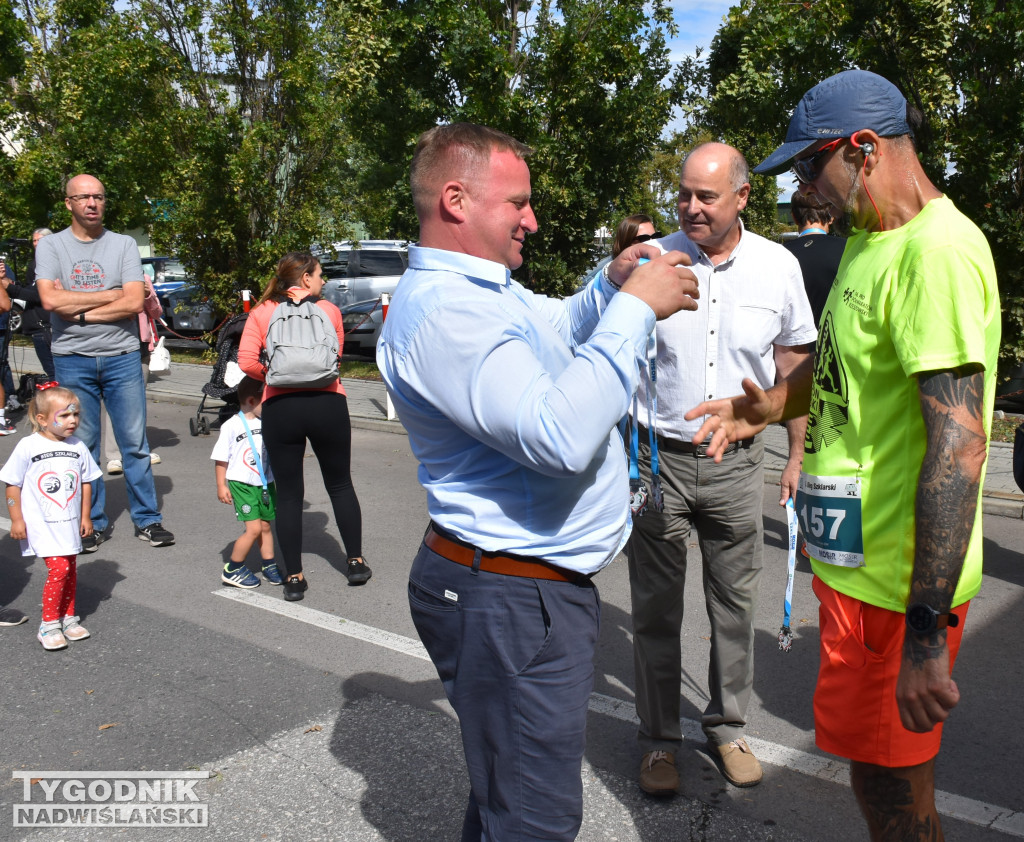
pixel 160 359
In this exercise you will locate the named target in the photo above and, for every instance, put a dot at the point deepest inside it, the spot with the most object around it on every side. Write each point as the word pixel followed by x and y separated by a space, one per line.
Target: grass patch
pixel 1004 429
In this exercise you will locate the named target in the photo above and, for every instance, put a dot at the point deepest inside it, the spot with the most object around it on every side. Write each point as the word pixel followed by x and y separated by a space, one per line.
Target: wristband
pixel 81 318
pixel 607 277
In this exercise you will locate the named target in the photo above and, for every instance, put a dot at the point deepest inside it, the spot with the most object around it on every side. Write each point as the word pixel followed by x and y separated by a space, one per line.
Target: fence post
pixel 385 299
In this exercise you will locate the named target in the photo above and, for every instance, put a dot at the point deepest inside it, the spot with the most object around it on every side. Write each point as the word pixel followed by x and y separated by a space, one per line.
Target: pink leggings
pixel 59 590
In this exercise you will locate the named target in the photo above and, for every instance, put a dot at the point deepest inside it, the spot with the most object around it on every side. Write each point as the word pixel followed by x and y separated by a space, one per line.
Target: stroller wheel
pixel 193 427
pixel 204 426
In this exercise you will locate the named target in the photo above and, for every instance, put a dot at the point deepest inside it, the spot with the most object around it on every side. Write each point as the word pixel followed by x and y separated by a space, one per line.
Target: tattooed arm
pixel 947 500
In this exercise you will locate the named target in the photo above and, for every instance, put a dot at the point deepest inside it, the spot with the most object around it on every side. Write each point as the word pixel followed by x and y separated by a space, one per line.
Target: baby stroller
pixel 220 388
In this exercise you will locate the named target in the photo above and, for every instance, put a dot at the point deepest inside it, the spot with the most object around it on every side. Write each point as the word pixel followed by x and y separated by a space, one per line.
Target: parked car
pixel 187 312
pixel 357 274
pixel 363 322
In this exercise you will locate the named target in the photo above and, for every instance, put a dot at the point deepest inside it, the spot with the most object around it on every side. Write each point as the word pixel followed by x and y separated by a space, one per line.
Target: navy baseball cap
pixel 839 107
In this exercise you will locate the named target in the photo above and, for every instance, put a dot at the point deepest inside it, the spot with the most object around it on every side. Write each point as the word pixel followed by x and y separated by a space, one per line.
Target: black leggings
pixel 322 417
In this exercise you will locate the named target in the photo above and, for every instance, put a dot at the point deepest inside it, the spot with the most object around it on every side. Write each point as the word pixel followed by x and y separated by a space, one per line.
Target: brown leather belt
pixel 700 451
pixel 494 563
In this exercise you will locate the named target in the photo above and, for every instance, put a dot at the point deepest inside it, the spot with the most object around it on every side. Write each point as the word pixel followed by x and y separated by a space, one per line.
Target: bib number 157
pixel 830 514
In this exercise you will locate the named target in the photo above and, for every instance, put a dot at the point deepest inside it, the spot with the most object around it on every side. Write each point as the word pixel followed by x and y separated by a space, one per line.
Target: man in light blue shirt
pixel 511 402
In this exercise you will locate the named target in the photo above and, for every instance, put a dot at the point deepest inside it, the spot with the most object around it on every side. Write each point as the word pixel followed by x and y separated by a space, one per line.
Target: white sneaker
pixel 76 631
pixel 154 459
pixel 52 639
pixel 114 467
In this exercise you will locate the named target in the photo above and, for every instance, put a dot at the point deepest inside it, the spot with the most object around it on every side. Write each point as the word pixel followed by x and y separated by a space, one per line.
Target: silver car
pixel 356 275
pixel 361 271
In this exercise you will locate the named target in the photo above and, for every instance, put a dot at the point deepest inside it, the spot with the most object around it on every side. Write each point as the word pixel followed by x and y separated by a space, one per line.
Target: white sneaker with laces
pixel 114 467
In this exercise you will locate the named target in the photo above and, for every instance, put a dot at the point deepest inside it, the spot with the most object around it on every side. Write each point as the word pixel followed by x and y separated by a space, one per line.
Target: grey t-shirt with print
pixel 108 262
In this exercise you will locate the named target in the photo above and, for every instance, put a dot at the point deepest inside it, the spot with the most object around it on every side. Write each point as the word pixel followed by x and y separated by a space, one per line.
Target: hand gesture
pixel 732 419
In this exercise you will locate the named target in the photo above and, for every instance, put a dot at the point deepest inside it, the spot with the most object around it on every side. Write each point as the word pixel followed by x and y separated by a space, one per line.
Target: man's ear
pixel 454 200
pixel 742 195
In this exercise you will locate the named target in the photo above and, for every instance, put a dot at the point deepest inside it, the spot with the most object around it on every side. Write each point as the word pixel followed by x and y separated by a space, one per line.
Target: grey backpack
pixel 301 346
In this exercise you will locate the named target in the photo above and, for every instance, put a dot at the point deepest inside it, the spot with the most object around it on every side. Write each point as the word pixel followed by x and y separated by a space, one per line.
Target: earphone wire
pixel 864 181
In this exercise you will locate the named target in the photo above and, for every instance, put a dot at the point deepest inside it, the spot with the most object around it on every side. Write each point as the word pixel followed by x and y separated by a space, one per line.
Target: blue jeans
pixel 516 657
pixel 117 382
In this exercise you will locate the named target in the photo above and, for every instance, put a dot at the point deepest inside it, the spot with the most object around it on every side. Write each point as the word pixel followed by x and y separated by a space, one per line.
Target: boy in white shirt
pixel 244 478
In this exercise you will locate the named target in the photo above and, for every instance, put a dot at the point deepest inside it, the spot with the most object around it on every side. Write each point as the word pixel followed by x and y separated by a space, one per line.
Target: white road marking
pixel 331 622
pixel 830 769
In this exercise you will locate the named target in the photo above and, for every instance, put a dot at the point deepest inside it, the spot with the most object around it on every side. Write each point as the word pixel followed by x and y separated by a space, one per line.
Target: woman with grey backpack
pixel 292 340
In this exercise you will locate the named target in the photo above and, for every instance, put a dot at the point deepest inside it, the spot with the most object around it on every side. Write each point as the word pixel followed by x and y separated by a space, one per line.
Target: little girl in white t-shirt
pixel 49 494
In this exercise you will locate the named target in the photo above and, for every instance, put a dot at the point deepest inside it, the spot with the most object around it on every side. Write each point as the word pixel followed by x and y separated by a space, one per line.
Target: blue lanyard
pixel 648 372
pixel 786 632
pixel 255 454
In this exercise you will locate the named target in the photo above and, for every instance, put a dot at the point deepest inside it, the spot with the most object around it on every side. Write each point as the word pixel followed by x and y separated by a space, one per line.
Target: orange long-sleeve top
pixel 255 334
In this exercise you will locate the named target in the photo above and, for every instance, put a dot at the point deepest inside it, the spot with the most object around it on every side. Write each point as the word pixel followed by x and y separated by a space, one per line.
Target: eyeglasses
pixel 643 238
pixel 85 197
pixel 805 169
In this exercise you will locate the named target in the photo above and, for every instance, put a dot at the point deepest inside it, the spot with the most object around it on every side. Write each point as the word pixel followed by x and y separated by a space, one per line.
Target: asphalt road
pixel 326 722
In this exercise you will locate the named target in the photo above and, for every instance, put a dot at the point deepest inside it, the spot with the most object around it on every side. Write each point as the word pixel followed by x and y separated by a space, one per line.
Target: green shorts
pixel 249 503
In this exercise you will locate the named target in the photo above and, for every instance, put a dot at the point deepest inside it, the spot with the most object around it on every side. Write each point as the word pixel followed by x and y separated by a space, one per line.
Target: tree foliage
pixel 581 81
pixel 88 96
pixel 238 131
pixel 958 61
pixel 257 137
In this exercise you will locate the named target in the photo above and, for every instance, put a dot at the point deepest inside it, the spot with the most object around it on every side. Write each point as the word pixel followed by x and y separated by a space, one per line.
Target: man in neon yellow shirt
pixel 900 395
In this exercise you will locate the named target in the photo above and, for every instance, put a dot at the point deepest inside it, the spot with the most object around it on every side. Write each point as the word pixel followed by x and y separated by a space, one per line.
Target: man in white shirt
pixel 754 321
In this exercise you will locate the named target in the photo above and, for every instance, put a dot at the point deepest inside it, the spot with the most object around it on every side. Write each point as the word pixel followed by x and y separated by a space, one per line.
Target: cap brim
pixel 782 158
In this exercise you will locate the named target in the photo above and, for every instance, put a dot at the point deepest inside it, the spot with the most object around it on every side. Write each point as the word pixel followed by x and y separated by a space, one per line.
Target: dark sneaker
pixel 358 572
pixel 6 428
pixel 155 534
pixel 239 577
pixel 658 774
pixel 91 543
pixel 272 574
pixel 11 617
pixel 294 588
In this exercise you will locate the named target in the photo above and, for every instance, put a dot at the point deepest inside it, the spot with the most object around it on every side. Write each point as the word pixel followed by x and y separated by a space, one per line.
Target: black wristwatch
pixel 923 619
pixel 81 318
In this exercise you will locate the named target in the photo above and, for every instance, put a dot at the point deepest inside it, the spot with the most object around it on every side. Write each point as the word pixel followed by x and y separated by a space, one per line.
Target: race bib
pixel 829 509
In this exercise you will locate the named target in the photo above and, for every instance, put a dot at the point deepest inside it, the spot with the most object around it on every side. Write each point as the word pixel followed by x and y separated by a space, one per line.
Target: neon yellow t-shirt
pixel 922 297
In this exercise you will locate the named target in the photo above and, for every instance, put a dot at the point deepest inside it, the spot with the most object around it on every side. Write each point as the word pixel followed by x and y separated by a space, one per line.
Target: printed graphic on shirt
pixel 58 489
pixel 87 275
pixel 250 461
pixel 856 301
pixel 830 400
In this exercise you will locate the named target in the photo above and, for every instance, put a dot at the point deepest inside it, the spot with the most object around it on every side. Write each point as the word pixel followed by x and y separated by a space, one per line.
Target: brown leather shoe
pixel 658 775
pixel 739 766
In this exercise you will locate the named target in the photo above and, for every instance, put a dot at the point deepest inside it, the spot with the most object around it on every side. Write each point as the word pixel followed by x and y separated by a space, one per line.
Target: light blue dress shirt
pixel 511 402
